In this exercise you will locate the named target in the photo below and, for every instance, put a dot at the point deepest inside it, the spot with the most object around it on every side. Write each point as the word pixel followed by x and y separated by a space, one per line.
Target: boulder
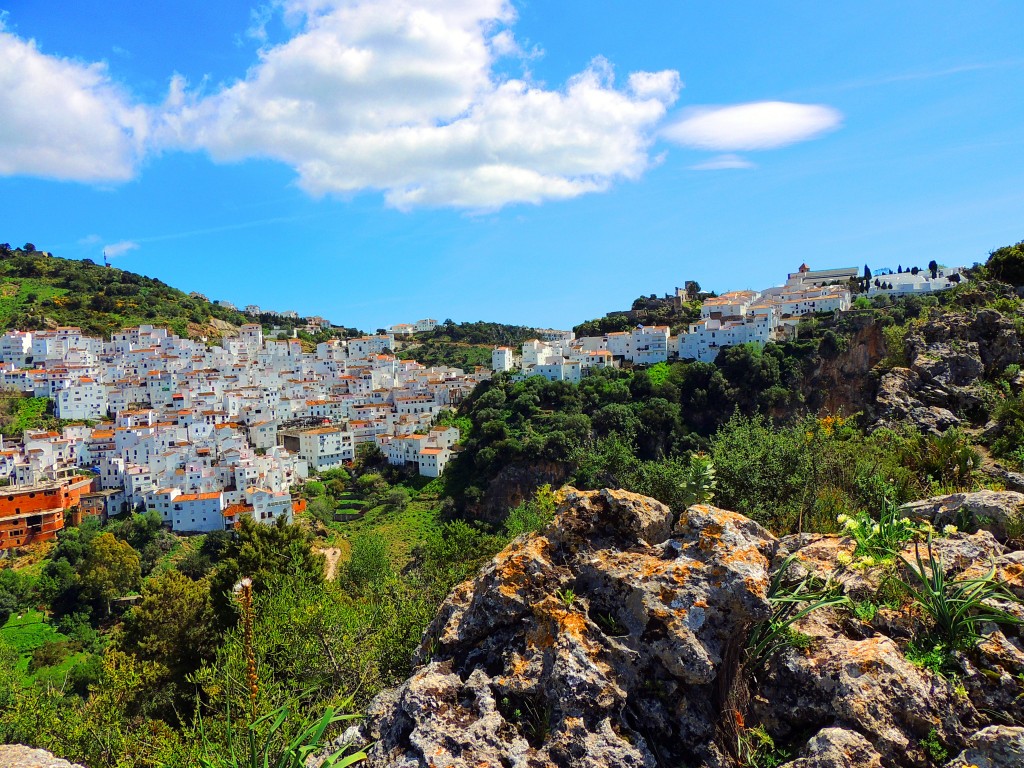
pixel 999 512
pixel 864 685
pixel 17 756
pixel 837 748
pixel 606 641
pixel 998 746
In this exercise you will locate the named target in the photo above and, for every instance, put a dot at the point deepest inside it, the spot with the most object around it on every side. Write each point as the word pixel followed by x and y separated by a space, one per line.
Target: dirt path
pixel 332 554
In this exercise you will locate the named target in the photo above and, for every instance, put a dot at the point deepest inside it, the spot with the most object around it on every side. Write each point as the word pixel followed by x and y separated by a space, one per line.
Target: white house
pixel 198 512
pixel 432 461
pixel 323 447
pixel 501 359
pixel 85 399
pixel 649 344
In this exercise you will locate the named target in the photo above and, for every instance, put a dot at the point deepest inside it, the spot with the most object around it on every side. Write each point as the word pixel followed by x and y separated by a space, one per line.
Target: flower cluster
pixel 879 541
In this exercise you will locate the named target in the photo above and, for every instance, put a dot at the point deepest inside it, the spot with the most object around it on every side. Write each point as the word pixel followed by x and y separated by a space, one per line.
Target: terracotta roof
pixel 198 496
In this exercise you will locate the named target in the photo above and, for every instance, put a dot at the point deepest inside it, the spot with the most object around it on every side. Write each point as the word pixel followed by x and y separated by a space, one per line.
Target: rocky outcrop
pixel 844 383
pixel 515 484
pixel 16 756
pixel 999 512
pixel 899 401
pixel 949 355
pixel 604 642
pixel 617 638
pixel 994 747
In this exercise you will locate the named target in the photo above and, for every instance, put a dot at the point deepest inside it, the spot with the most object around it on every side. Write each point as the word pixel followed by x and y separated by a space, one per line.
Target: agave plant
pixel 258 750
pixel 958 608
pixel 791 601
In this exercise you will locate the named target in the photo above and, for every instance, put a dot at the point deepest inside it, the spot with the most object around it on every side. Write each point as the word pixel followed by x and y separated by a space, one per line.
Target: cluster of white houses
pixel 731 319
pixel 408 329
pixel 207 434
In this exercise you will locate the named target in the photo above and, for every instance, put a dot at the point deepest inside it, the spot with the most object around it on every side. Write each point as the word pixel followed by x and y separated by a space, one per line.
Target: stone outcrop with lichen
pixel 17 756
pixel 948 358
pixel 616 638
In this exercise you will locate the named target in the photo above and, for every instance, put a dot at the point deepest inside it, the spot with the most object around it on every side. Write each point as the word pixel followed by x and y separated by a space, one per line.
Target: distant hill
pixel 675 312
pixel 38 291
pixel 463 345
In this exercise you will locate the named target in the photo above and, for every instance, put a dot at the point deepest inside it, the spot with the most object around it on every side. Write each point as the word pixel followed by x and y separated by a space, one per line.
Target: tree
pixel 262 552
pixel 1007 264
pixel 173 625
pixel 397 499
pixel 867 273
pixel 369 562
pixel 321 508
pixel 110 568
pixel 914 270
pixel 28 248
pixel 933 267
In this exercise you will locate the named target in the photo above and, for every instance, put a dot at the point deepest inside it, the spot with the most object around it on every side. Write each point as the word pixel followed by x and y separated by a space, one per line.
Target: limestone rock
pixel 603 642
pixel 615 638
pixel 949 365
pixel 899 401
pixel 997 746
pixel 864 685
pixel 1000 512
pixel 837 748
pixel 17 756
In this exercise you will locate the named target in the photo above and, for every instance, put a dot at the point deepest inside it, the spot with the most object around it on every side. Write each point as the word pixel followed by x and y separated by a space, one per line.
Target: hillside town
pixel 208 434
pixel 727 320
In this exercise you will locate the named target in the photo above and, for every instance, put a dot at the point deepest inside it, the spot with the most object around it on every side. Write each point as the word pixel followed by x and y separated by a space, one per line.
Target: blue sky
pixel 524 162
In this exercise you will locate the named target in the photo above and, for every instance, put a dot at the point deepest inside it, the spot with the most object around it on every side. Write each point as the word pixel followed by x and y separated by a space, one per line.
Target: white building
pixel 198 512
pixel 502 359
pixel 805 277
pixel 322 447
pixel 906 283
pixel 86 399
pixel 648 345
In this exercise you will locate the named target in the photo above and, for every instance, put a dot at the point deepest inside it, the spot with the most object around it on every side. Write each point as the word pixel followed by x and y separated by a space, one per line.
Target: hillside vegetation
pixel 463 345
pixel 39 291
pixel 932 389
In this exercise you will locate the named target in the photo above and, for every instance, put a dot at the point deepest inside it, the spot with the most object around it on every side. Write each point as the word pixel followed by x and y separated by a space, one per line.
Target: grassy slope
pixel 38 291
pixel 27 632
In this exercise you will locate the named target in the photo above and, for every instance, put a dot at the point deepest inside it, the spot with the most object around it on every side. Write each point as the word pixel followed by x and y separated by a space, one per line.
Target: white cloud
pixel 63 119
pixel 722 162
pixel 753 126
pixel 119 249
pixel 402 96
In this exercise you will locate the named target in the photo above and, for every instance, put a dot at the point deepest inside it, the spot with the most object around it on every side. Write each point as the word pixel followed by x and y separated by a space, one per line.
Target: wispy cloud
pixel 722 162
pixel 754 126
pixel 113 250
pixel 925 74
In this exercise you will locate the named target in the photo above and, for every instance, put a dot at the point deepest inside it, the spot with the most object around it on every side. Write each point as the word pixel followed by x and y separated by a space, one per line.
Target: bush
pixel 49 654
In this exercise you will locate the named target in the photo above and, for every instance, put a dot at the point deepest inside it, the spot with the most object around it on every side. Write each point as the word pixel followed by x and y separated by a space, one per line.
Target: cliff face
pixel 617 637
pixel 515 484
pixel 845 383
pixel 949 357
